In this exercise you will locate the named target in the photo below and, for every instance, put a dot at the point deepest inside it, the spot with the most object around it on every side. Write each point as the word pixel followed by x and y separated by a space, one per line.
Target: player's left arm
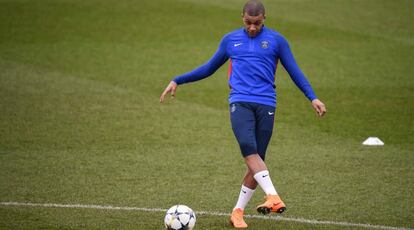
pixel 288 61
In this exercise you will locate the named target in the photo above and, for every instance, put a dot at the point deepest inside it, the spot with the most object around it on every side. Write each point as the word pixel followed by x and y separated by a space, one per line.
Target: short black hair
pixel 254 8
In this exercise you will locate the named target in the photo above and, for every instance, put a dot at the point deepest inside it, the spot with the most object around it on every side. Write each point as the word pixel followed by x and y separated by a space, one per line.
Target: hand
pixel 171 88
pixel 319 107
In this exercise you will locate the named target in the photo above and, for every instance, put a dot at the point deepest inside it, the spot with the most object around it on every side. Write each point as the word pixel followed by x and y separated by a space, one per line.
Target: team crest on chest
pixel 265 44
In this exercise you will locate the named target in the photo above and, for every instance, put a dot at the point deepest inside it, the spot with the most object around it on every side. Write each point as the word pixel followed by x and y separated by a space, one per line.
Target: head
pixel 253 17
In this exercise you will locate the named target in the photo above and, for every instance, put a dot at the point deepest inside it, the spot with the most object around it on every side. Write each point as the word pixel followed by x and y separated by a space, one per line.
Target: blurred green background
pixel 81 123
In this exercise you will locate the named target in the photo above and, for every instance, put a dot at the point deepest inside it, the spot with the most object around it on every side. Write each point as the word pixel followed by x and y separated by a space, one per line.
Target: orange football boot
pixel 236 219
pixel 273 203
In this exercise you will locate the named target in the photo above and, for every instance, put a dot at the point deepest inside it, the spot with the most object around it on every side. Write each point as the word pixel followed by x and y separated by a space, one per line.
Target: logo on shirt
pixel 265 44
pixel 238 44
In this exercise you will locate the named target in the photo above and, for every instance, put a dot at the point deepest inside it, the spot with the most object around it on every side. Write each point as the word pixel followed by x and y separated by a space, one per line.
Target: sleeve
pixel 207 69
pixel 289 62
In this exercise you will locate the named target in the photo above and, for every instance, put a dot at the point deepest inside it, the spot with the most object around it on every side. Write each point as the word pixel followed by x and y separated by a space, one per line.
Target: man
pixel 253 52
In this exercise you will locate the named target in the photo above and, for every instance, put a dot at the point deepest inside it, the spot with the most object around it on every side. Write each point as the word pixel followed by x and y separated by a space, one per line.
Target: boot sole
pixel 266 210
pixel 231 223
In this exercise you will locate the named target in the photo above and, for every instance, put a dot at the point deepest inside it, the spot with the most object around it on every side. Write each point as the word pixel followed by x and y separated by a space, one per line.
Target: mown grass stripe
pixel 209 213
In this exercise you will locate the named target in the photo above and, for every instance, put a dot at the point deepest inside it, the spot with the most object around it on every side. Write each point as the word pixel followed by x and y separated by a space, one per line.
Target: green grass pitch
pixel 81 124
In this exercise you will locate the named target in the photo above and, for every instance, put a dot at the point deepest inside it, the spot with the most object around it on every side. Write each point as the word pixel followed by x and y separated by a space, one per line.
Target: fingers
pixel 318 110
pixel 171 88
pixel 319 107
pixel 321 110
pixel 166 91
pixel 162 97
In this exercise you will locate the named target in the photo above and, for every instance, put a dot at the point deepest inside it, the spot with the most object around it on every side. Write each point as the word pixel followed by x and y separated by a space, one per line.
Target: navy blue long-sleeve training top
pixel 253 63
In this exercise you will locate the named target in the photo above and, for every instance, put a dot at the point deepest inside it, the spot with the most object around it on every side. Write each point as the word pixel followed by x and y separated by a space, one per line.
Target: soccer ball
pixel 179 217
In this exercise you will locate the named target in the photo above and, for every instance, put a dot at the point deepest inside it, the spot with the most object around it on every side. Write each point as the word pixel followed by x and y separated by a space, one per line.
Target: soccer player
pixel 254 52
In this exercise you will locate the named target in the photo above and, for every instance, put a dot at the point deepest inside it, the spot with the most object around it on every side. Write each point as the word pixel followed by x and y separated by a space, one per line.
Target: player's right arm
pixel 203 71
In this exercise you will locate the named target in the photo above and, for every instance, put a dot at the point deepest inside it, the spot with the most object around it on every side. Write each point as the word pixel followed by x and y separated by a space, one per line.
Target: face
pixel 253 24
